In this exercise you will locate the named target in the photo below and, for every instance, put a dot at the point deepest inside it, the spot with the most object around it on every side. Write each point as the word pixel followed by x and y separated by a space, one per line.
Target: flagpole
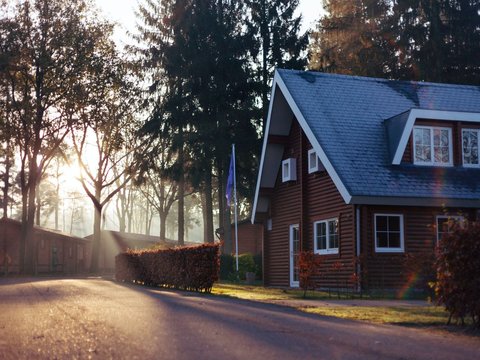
pixel 235 204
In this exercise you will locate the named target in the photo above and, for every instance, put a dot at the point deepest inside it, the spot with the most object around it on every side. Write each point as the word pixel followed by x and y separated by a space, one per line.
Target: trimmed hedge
pixel 193 268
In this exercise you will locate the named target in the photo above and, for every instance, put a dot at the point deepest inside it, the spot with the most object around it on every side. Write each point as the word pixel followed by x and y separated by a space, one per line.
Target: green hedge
pixel 193 268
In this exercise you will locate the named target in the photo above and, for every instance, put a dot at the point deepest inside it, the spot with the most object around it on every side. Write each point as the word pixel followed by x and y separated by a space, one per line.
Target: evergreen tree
pixel 201 93
pixel 437 40
pixel 349 40
pixel 278 43
pixel 404 39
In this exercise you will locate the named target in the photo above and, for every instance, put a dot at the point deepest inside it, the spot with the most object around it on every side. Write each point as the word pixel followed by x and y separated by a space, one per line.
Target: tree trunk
pixel 39 206
pixel 6 181
pixel 224 209
pixel 208 208
pixel 97 233
pixel 181 195
pixel 29 265
pixel 163 224
pixel 23 232
pixel 57 194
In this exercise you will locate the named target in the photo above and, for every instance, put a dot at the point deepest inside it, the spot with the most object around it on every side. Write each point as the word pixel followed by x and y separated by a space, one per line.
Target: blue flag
pixel 231 171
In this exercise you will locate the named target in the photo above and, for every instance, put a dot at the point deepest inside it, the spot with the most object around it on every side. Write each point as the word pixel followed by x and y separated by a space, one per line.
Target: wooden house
pixel 365 172
pixel 55 252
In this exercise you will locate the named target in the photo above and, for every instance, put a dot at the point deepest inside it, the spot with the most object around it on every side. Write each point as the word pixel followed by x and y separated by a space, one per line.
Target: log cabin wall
pixel 291 204
pixel 388 270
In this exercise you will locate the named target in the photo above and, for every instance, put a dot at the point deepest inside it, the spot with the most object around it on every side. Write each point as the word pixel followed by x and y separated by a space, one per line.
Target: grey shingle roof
pixel 348 117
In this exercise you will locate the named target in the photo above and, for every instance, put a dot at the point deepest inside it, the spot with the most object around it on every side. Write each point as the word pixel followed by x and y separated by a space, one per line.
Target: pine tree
pixel 201 91
pixel 404 39
pixel 278 42
pixel 437 40
pixel 349 40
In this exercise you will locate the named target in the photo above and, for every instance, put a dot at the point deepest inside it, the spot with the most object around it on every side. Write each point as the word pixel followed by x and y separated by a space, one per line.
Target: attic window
pixel 289 171
pixel 432 145
pixel 470 139
pixel 312 161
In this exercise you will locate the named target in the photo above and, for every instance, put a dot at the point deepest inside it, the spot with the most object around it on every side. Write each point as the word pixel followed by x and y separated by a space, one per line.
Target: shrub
pixel 193 268
pixel 245 264
pixel 458 272
pixel 308 267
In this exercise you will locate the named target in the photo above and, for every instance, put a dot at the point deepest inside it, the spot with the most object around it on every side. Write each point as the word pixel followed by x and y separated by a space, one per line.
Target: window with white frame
pixel 432 145
pixel 470 147
pixel 289 171
pixel 325 234
pixel 389 233
pixel 312 161
pixel 446 224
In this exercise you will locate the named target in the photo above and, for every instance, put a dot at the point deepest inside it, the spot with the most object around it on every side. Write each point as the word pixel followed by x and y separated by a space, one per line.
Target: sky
pixel 121 12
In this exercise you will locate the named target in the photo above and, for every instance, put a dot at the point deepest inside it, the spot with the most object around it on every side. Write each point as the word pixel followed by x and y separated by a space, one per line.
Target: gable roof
pixel 358 126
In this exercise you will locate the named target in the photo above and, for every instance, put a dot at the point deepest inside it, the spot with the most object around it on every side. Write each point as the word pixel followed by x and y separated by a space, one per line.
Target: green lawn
pixel 253 292
pixel 399 315
pixel 417 316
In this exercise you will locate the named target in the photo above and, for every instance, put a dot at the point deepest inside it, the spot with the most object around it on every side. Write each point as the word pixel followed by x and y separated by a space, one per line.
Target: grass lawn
pixel 434 317
pixel 253 292
pixel 400 315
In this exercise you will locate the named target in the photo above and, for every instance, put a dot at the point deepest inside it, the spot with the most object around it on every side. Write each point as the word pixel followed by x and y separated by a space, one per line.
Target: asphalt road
pixel 100 319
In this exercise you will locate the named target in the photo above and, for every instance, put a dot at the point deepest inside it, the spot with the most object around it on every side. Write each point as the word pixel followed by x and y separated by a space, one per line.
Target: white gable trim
pixel 278 81
pixel 433 115
pixel 264 148
pixel 313 140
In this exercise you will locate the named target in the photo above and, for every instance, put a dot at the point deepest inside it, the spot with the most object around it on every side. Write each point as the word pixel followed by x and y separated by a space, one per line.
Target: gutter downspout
pixel 359 269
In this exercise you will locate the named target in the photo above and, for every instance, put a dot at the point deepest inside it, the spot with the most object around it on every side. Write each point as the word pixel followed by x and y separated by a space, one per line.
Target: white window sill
pixel 389 250
pixel 326 252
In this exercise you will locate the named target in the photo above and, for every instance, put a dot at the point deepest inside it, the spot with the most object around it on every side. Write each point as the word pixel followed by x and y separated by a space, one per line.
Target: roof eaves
pixel 264 147
pixel 313 140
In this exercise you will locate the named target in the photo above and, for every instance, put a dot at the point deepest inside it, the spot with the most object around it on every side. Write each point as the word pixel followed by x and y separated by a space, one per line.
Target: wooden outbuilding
pixel 55 252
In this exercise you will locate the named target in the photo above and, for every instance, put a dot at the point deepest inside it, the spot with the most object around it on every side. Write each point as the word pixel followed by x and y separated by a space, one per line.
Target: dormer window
pixel 312 161
pixel 470 147
pixel 432 145
pixel 289 171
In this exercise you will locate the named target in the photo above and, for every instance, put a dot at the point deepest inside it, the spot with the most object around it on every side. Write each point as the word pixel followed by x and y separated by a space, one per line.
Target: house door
pixel 294 249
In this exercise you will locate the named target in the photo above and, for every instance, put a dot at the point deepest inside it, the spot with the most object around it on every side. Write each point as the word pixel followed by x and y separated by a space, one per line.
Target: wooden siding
pixel 250 238
pixel 66 261
pixel 284 211
pixel 387 270
pixel 291 203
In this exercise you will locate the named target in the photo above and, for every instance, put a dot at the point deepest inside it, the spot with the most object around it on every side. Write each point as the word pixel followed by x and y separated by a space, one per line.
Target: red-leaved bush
pixel 458 272
pixel 308 268
pixel 193 268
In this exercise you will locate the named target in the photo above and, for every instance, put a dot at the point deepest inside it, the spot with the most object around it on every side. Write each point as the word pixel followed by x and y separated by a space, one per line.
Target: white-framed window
pixel 432 146
pixel 312 161
pixel 470 139
pixel 445 224
pixel 389 233
pixel 325 236
pixel 289 171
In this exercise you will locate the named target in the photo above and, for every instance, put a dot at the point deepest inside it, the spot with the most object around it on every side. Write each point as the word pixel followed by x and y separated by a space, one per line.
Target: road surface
pixel 100 319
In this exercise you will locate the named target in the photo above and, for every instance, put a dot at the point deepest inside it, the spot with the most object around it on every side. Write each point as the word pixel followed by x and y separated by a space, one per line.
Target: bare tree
pixel 49 46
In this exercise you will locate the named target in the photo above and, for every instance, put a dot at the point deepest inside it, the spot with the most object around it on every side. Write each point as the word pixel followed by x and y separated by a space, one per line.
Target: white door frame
pixel 293 282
